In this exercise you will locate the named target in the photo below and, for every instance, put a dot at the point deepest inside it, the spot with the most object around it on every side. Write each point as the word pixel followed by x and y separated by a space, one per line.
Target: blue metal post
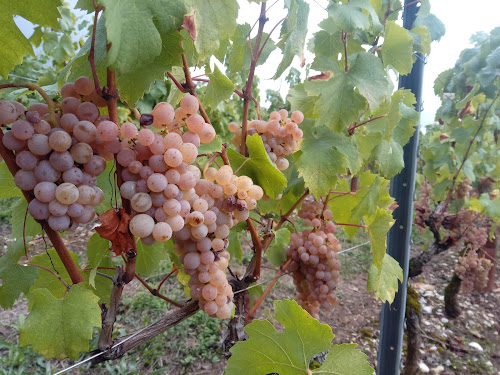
pixel 399 237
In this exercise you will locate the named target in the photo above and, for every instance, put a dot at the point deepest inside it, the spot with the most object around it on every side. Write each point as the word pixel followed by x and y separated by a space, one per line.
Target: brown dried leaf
pixel 190 26
pixel 114 228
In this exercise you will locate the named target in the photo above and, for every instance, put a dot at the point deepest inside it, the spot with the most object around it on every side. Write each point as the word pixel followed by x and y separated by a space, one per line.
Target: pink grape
pixel 172 140
pixel 142 225
pixel 81 153
pixel 95 166
pixel 8 113
pixel 45 191
pixel 163 114
pixel 22 129
pixel 173 157
pixel 61 161
pixel 189 104
pixel 26 160
pixel 125 157
pixel 70 105
pixel 146 137
pixel 68 89
pixel 60 141
pixel 107 130
pixel 157 182
pixel 25 180
pixel 129 130
pixel 39 210
pixel 83 86
pixel 59 223
pixel 85 131
pixel 87 111
pixel 42 127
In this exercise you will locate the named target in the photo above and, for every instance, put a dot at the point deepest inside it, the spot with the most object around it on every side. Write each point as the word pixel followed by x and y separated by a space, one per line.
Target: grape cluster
pixel 422 205
pixel 280 135
pixel 159 179
pixel 463 189
pixel 314 265
pixel 219 202
pixel 59 164
pixel 473 271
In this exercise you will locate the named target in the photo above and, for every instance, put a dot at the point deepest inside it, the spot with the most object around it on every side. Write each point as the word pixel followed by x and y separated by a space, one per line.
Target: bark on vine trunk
pixel 417 263
pixel 451 308
pixel 413 332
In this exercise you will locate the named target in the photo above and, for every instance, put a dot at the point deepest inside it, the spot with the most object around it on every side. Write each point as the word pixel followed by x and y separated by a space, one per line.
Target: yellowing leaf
pixel 397 49
pixel 384 280
pixel 61 328
pixel 378 225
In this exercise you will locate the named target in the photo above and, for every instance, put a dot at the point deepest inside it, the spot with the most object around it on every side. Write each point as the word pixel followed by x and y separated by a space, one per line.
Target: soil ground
pixel 469 344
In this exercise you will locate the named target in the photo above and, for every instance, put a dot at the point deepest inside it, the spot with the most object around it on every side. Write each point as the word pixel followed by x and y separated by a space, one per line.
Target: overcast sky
pixel 461 17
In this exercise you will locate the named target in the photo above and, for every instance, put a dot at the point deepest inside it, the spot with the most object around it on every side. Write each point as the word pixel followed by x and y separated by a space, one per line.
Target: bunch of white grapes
pixel 159 178
pixel 60 164
pixel 280 135
pixel 315 267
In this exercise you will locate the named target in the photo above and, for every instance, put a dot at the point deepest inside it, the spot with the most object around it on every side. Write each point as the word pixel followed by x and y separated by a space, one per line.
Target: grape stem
pixel 251 312
pixel 33 87
pixel 352 127
pixel 190 87
pixel 92 48
pixel 247 92
pixel 52 272
pixel 156 293
pixel 175 270
pixel 55 238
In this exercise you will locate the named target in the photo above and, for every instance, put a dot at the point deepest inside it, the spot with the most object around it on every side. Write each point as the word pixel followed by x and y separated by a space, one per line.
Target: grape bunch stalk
pixel 315 267
pixel 281 135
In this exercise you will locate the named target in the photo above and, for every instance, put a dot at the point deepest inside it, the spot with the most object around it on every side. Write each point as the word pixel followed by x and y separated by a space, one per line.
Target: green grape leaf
pixel 131 84
pixel 218 89
pixel 421 39
pixel 22 222
pixel 442 81
pixel 87 5
pixel 293 34
pixel 276 251
pixel 46 280
pixel 345 359
pixel 8 188
pixel 368 203
pixel 137 41
pixel 343 97
pixel 61 328
pixel 105 181
pixel 149 257
pixel 288 352
pixel 301 101
pixel 259 167
pixel 98 255
pixel 318 160
pixel 397 49
pixel 383 280
pixel 389 156
pixel 352 15
pixel 14 44
pixel 208 148
pixel 234 247
pixel 378 225
pixel 215 21
pixel 435 26
pixel 16 279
